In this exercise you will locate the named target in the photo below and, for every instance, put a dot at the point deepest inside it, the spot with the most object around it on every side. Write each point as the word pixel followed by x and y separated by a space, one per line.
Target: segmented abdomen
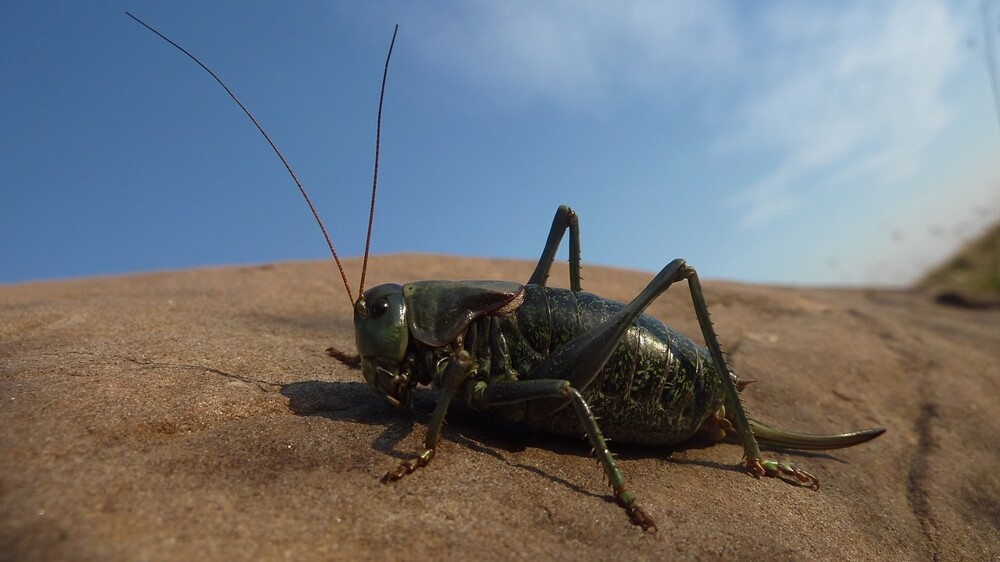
pixel 657 387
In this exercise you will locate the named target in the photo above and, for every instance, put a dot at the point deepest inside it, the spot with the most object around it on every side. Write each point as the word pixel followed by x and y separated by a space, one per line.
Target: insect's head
pixel 381 337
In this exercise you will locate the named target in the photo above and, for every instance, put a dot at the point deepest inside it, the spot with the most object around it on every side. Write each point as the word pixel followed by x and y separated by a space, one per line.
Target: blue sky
pixel 784 142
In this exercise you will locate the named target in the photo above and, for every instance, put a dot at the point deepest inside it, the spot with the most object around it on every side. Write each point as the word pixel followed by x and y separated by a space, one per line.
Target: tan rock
pixel 194 415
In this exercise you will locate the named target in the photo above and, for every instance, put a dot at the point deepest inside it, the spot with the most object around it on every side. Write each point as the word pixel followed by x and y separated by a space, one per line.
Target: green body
pixel 552 358
pixel 657 388
pixel 559 360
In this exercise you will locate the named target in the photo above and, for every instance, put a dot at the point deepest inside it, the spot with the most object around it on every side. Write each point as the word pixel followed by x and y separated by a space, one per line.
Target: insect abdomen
pixel 657 387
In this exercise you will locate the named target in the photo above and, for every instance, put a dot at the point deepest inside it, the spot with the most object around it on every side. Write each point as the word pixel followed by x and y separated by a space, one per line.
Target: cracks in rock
pixel 916 486
pixel 264 386
pixel 908 346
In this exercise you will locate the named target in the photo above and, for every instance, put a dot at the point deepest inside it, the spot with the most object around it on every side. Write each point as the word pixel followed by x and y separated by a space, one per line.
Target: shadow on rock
pixel 352 401
pixel 482 433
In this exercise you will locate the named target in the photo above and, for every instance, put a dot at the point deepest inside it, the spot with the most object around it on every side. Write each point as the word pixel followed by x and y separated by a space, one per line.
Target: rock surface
pixel 194 415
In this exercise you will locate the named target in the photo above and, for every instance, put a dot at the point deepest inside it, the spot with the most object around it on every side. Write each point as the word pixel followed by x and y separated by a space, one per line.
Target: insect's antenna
pixel 276 151
pixel 378 137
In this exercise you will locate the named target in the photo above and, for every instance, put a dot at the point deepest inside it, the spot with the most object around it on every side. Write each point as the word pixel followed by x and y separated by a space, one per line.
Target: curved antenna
pixel 276 151
pixel 378 138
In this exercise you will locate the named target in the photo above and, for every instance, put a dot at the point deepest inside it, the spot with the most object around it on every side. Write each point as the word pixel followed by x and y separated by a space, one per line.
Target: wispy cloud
pixel 580 53
pixel 852 95
pixel 828 93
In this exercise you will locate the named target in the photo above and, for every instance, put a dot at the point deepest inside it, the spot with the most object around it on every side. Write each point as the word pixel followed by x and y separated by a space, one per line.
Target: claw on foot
pixel 626 499
pixel 759 467
pixel 408 467
pixel 639 517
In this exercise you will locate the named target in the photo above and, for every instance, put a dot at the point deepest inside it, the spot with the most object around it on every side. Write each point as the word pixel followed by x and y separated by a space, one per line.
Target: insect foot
pixel 635 513
pixel 775 469
pixel 408 466
pixel 456 372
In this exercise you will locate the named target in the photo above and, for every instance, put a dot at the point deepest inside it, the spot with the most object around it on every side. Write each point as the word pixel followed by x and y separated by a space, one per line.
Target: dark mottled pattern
pixel 658 386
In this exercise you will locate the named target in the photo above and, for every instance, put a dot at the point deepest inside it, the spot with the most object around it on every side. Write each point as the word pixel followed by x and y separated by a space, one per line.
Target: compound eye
pixel 379 307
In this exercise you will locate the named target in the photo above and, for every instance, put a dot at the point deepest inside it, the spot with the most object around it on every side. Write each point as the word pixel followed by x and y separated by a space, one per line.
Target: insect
pixel 555 359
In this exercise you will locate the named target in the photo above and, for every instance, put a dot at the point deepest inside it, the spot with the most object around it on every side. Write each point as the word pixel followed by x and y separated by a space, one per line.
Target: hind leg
pixel 735 411
pixel 565 219
pixel 581 360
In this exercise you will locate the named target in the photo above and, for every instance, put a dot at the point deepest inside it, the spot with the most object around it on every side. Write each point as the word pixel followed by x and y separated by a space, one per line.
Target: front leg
pixel 456 373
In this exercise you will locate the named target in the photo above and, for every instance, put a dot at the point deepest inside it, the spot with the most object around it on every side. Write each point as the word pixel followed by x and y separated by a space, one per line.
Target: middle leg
pixel 499 394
